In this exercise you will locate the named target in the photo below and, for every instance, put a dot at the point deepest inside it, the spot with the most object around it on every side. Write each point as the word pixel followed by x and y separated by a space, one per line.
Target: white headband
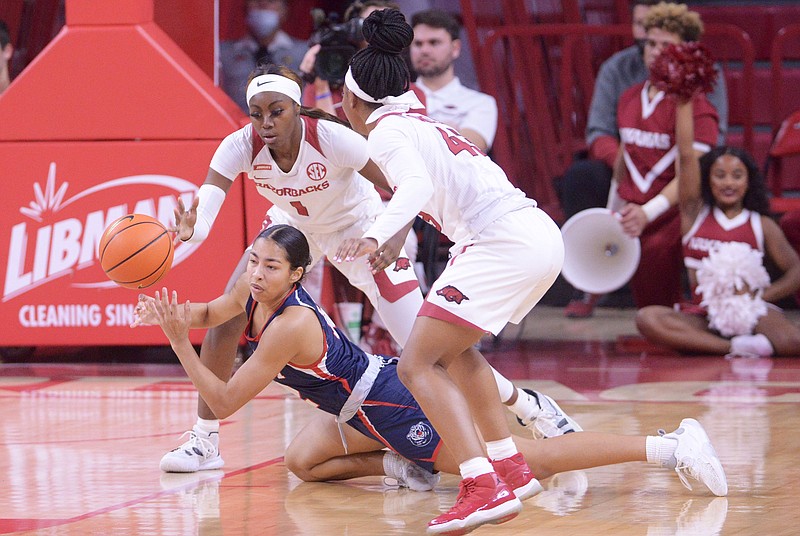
pixel 401 103
pixel 352 85
pixel 274 82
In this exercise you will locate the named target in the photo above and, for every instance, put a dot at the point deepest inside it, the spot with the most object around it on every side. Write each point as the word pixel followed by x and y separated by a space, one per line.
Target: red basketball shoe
pixel 481 500
pixel 515 472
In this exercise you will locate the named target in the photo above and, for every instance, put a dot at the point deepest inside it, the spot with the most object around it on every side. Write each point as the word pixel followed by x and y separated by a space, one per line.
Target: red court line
pixel 100 439
pixel 8 526
pixel 37 386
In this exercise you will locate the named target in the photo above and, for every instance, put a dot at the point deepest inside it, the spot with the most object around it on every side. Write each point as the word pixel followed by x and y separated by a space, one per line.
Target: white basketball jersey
pixel 469 191
pixel 322 192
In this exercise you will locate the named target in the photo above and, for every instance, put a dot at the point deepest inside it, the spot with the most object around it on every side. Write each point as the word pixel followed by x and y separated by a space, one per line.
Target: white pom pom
pixel 731 280
pixel 736 314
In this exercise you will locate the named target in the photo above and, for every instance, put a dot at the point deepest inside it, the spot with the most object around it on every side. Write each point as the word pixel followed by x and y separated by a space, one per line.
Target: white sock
pixel 660 451
pixel 522 407
pixel 504 386
pixel 207 425
pixel 501 449
pixel 475 467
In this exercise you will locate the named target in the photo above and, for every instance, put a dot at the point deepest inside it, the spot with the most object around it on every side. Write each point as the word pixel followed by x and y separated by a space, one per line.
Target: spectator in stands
pixel 586 183
pixel 435 47
pixel 265 43
pixel 723 201
pixel 6 52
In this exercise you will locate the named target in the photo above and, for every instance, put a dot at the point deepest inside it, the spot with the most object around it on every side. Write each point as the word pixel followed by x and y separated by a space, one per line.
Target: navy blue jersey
pixel 329 381
pixel 390 415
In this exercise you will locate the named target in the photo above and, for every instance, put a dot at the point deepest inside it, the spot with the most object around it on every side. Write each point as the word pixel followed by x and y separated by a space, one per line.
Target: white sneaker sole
pixel 494 516
pixel 528 490
pixel 169 466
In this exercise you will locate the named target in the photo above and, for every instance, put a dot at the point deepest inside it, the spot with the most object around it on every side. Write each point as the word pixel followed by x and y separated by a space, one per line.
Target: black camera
pixel 339 42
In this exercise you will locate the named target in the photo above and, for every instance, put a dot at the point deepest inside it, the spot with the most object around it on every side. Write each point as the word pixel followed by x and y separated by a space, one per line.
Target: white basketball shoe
pixel 695 457
pixel 199 453
pixel 546 418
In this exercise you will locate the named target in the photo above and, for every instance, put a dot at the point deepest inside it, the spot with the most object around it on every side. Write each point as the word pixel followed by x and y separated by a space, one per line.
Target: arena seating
pixel 540 64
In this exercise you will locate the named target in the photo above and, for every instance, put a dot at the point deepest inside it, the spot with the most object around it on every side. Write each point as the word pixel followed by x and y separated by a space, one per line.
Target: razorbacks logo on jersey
pixel 451 294
pixel 420 434
pixel 316 171
pixel 402 263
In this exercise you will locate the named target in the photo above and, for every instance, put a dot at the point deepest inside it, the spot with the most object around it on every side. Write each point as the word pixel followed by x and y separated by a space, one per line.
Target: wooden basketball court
pixel 81 446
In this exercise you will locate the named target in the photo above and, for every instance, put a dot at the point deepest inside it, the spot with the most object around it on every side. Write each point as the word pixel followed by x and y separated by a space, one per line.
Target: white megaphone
pixel 599 257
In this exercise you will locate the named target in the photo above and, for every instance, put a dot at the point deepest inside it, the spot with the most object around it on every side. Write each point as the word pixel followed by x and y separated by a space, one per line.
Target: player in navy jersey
pixel 722 198
pixel 296 344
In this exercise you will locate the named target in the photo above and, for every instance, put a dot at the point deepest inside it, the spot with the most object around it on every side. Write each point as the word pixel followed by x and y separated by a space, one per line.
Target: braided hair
pixel 379 69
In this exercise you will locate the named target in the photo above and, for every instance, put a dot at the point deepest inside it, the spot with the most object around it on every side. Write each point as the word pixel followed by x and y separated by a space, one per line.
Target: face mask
pixel 262 22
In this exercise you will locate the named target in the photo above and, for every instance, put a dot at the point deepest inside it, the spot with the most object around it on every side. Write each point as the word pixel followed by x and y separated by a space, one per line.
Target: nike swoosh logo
pixel 259 84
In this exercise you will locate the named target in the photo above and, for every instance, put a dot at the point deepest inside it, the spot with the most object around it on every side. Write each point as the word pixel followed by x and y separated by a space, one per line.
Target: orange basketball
pixel 136 251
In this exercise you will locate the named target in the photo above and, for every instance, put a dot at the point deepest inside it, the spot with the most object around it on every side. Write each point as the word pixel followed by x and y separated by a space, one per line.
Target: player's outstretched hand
pixel 173 318
pixel 384 256
pixel 352 248
pixel 141 314
pixel 185 219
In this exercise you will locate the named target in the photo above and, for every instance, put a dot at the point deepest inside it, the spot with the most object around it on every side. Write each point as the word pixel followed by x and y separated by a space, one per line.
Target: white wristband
pixel 656 207
pixel 211 199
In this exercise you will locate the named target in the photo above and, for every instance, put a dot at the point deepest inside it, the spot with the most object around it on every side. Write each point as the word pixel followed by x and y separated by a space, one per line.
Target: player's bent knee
pixel 407 371
pixel 294 463
pixel 300 465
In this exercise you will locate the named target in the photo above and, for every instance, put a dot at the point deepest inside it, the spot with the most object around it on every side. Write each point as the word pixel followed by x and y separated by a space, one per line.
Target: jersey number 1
pixel 298 206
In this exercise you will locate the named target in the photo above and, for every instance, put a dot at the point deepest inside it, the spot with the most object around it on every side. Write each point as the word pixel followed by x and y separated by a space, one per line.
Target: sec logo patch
pixel 316 171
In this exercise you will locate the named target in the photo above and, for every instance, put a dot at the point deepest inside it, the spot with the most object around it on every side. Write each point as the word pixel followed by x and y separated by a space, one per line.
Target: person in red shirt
pixel 644 188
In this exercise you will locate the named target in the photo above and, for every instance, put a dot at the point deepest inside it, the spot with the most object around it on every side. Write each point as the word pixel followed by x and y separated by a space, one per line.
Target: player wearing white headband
pixel 507 254
pixel 312 168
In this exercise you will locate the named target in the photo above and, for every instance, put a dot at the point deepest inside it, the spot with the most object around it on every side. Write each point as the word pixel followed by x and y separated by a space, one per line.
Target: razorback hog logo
pixel 402 263
pixel 451 294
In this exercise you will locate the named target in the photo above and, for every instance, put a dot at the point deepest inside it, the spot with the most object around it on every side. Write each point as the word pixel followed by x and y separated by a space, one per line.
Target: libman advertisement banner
pixel 58 198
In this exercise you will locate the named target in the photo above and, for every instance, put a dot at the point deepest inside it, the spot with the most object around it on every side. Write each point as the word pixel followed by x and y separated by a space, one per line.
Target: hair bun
pixel 387 31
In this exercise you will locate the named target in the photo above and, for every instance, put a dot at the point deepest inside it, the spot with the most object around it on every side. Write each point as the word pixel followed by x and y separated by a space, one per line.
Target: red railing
pixel 543 94
pixel 779 54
